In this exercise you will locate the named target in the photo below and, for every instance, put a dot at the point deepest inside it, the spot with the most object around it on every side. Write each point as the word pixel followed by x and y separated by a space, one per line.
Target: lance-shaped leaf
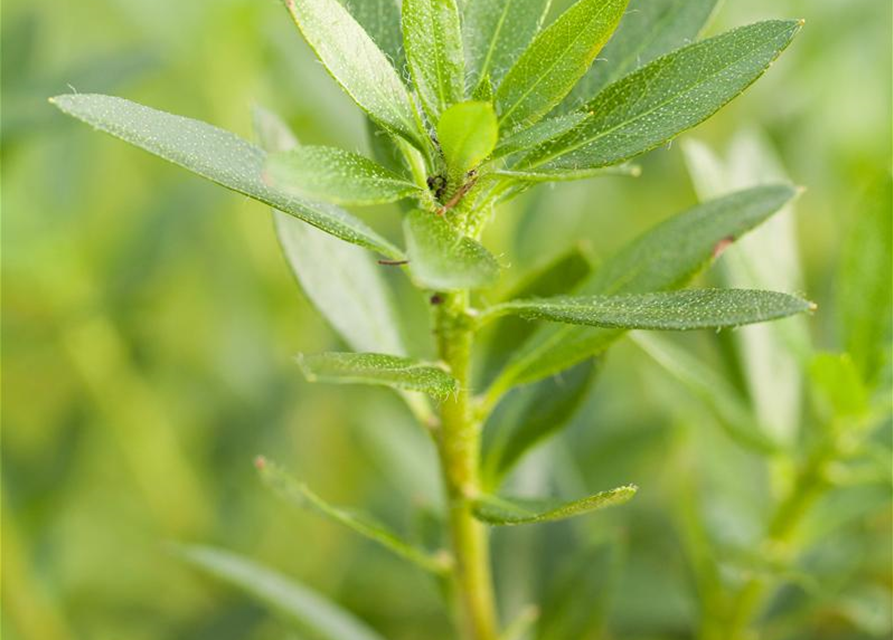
pixel 467 133
pixel 358 65
pixel 558 57
pixel 496 31
pixel 734 415
pixel 661 100
pixel 530 415
pixel 305 609
pixel 665 257
pixel 433 41
pixel 667 311
pixel 337 176
pixel 510 511
pixel 655 27
pixel 378 369
pixel 214 154
pixel 298 494
pixel 442 259
pixel 569 175
pixel 538 134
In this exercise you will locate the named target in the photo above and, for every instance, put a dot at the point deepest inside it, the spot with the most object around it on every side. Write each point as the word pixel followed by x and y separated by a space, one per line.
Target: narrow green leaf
pixel 654 28
pixel 467 133
pixel 298 494
pixel 538 134
pixel 378 369
pixel 734 415
pixel 556 59
pixel 337 176
pixel 442 259
pixel 667 311
pixel 342 281
pixel 665 257
pixel 358 65
pixel 530 415
pixel 381 20
pixel 496 31
pixel 433 40
pixel 533 177
pixel 865 286
pixel 837 382
pixel 307 610
pixel 661 100
pixel 214 154
pixel 499 511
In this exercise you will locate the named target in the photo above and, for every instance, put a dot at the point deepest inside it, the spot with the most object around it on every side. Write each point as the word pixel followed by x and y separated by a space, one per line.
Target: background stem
pixel 459 447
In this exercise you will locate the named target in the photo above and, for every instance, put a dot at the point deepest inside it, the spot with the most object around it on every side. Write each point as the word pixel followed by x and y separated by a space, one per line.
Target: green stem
pixel 808 486
pixel 459 447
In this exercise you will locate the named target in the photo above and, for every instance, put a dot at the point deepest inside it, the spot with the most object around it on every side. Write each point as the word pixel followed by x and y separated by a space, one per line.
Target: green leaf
pixel 538 134
pixel 865 286
pixel 530 415
pixel 665 257
pixel 658 102
pixel 358 65
pixel 304 608
pixel 496 31
pixel 732 412
pixel 433 41
pixel 556 59
pixel 533 177
pixel 837 382
pixel 655 27
pixel 217 155
pixel 342 281
pixel 298 494
pixel 337 176
pixel 660 311
pixel 442 259
pixel 511 511
pixel 467 134
pixel 381 20
pixel 378 369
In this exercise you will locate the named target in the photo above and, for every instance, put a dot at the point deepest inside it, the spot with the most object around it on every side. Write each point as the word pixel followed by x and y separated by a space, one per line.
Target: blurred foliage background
pixel 149 323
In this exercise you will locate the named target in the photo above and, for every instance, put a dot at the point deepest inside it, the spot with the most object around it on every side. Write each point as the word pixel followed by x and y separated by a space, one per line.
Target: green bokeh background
pixel 149 324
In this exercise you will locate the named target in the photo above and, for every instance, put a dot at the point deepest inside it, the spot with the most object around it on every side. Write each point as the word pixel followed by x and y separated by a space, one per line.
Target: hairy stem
pixel 459 447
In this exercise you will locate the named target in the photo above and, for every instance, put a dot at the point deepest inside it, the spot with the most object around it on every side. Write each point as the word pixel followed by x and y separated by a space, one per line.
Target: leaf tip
pixel 260 463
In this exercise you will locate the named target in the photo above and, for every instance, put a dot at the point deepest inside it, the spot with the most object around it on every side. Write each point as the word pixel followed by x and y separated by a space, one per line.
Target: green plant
pixel 481 124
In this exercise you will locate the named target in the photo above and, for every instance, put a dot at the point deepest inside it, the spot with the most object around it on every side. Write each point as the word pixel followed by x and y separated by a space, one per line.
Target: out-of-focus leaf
pixel 336 175
pixel 342 281
pixel 501 511
pixel 358 65
pixel 865 288
pixel 559 56
pixel 733 413
pixel 668 311
pixel 661 100
pixel 770 357
pixel 654 28
pixel 496 31
pixel 441 259
pixel 214 154
pixel 298 494
pixel 663 258
pixel 538 134
pixel 467 134
pixel 378 369
pixel 433 41
pixel 838 382
pixel 304 608
pixel 381 20
pixel 576 602
pixel 530 415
